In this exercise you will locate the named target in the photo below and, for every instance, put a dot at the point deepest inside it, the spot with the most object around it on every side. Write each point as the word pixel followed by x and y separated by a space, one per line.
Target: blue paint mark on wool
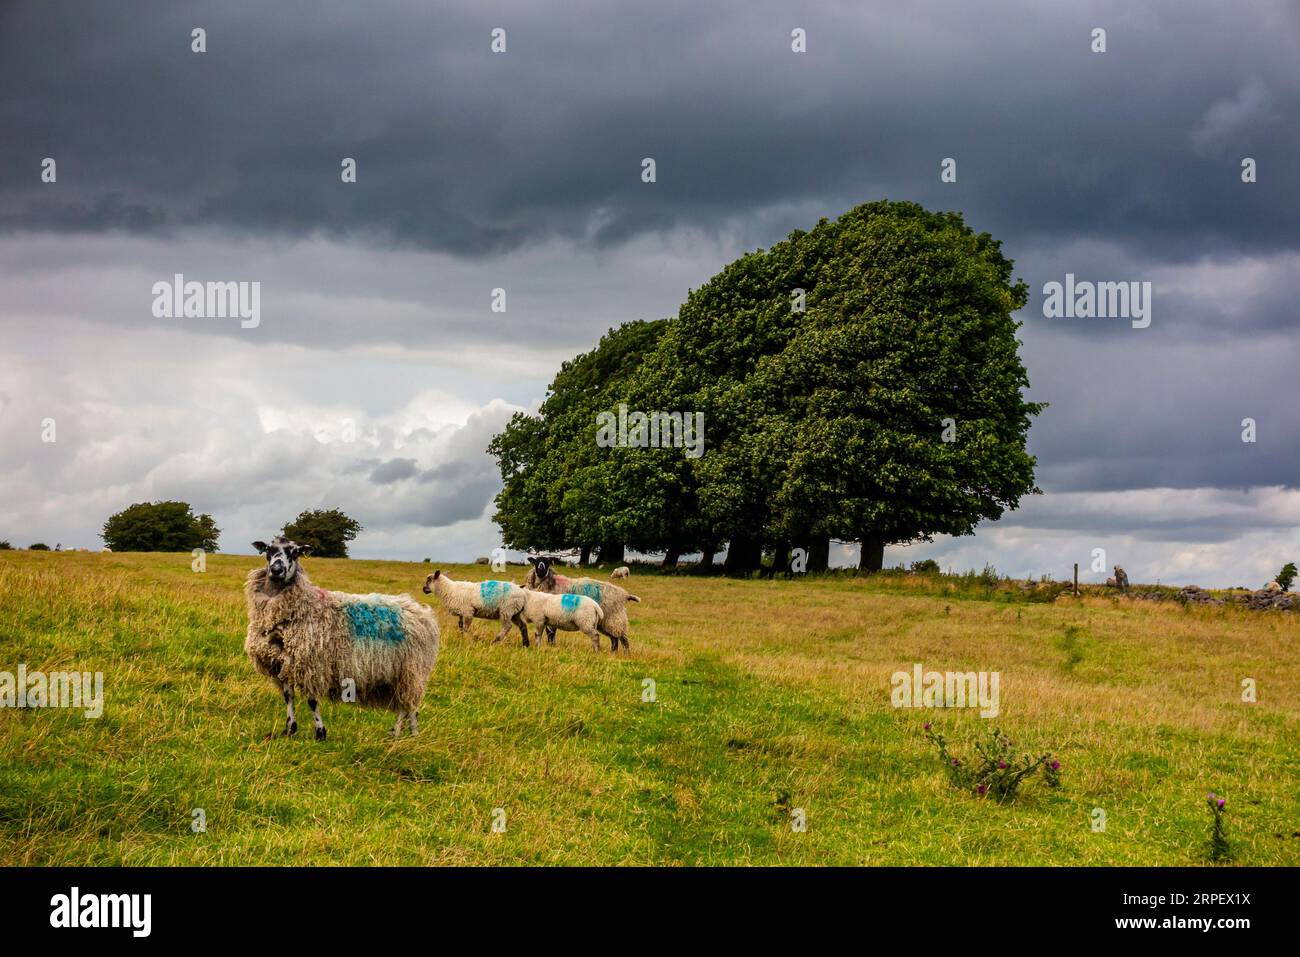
pixel 570 602
pixel 372 621
pixel 492 592
pixel 589 589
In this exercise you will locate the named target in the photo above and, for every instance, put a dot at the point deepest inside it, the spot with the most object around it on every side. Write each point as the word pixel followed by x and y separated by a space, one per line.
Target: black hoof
pixel 320 734
pixel 291 730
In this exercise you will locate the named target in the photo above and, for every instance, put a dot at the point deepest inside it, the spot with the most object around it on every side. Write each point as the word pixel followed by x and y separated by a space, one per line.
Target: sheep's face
pixel 428 582
pixel 281 558
pixel 543 569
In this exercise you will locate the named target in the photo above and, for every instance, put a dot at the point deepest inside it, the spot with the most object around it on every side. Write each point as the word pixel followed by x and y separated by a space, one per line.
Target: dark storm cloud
pixel 468 151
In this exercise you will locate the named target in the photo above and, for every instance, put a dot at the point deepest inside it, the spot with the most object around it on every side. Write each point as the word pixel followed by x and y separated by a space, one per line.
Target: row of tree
pixel 859 381
pixel 174 527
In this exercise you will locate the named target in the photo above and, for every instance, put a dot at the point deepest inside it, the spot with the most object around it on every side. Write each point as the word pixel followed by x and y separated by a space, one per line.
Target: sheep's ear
pixel 260 546
pixel 435 576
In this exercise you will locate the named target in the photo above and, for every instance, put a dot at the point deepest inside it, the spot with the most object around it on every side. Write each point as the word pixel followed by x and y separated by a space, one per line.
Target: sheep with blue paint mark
pixel 372 650
pixel 568 612
pixel 490 599
pixel 613 599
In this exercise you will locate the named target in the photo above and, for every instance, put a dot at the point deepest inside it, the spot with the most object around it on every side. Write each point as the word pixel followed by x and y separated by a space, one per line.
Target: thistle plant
pixel 1219 847
pixel 998 768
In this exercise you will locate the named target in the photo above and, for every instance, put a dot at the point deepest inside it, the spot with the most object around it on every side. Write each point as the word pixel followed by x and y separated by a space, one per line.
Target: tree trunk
pixel 706 556
pixel 781 558
pixel 744 554
pixel 671 556
pixel 585 557
pixel 872 558
pixel 611 553
pixel 819 553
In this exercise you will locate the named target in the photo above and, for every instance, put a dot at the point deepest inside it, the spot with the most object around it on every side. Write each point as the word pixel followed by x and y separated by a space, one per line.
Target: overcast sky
pixel 378 371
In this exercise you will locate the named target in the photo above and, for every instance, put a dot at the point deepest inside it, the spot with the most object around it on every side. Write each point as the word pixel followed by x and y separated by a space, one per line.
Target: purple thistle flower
pixel 927 726
pixel 1056 765
pixel 1002 764
pixel 981 789
pixel 1211 796
pixel 955 762
pixel 1222 802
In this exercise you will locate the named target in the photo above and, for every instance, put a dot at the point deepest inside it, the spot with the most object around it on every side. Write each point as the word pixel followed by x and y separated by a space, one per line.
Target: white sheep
pixel 613 599
pixel 1273 587
pixel 490 599
pixel 374 650
pixel 621 572
pixel 567 612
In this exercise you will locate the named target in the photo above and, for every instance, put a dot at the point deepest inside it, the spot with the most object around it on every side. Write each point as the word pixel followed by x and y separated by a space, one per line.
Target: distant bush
pixel 38 547
pixel 327 531
pixel 1286 576
pixel 927 566
pixel 5 546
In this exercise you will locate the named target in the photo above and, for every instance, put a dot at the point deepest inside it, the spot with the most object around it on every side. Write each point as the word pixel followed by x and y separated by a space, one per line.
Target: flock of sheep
pixel 378 650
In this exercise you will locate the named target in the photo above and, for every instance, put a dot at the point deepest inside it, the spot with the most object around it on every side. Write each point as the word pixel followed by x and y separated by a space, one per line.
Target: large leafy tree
pixel 160 527
pixel 557 483
pixel 883 405
pixel 860 380
pixel 327 531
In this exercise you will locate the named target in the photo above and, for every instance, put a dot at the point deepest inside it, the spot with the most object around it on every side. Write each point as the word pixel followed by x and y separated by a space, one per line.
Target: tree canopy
pixel 327 531
pixel 160 527
pixel 860 381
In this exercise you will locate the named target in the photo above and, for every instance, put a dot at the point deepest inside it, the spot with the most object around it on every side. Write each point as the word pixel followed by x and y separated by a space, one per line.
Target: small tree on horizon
pixel 327 531
pixel 1286 576
pixel 160 527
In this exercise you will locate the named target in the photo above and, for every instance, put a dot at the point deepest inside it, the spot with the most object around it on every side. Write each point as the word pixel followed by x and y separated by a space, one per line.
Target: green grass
pixel 771 695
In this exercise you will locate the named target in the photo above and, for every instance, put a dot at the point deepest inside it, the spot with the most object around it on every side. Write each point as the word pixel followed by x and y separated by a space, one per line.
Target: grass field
pixel 771 695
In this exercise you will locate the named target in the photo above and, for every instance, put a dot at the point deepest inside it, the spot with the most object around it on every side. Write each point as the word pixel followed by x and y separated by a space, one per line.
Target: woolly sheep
pixel 489 599
pixel 621 572
pixel 566 612
pixel 376 650
pixel 1273 587
pixel 612 599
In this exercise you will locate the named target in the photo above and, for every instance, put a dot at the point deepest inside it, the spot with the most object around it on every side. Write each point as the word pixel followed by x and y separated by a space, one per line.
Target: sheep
pixel 376 650
pixel 567 612
pixel 621 572
pixel 489 599
pixel 612 599
pixel 1273 587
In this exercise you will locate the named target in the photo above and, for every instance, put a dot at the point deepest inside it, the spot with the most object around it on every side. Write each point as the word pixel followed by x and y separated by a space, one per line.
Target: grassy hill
pixel 771 695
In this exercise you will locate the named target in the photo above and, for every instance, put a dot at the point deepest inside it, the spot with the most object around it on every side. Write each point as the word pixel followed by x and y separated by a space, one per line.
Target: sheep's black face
pixel 281 558
pixel 542 568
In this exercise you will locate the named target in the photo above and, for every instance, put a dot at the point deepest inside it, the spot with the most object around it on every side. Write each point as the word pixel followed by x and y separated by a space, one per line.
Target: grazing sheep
pixel 489 599
pixel 621 572
pixel 612 599
pixel 375 650
pixel 566 612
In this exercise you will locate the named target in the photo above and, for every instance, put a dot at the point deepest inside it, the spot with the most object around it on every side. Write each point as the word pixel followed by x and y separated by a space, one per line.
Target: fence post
pixel 1076 579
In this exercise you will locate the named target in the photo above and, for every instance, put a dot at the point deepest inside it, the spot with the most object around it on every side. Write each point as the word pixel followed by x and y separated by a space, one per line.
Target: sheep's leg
pixel 550 634
pixel 594 635
pixel 397 728
pixel 505 627
pixel 523 627
pixel 464 625
pixel 290 724
pixel 315 713
pixel 413 718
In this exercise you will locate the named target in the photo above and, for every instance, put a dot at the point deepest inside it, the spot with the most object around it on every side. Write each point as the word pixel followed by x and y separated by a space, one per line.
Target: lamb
pixel 375 650
pixel 566 612
pixel 621 572
pixel 612 599
pixel 489 599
